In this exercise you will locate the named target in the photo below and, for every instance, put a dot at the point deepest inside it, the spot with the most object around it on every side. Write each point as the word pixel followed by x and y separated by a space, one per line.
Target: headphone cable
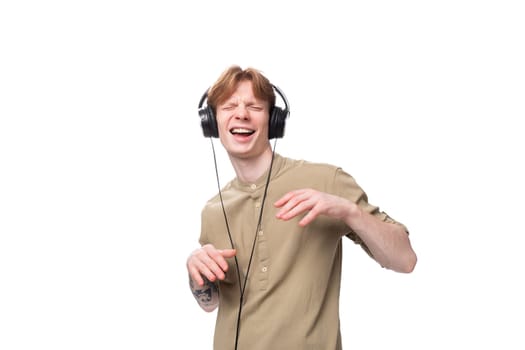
pixel 242 288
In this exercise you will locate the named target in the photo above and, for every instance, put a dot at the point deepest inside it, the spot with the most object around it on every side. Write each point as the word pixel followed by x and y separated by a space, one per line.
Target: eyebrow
pixel 235 101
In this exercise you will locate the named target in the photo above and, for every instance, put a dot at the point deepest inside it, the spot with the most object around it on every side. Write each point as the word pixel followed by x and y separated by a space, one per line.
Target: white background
pixel 104 169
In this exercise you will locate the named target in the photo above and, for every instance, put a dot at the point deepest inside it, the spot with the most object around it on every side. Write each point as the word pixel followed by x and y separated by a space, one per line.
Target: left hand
pixel 316 203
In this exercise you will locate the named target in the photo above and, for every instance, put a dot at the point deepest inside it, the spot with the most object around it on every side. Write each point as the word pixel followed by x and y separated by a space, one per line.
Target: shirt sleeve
pixel 347 187
pixel 203 239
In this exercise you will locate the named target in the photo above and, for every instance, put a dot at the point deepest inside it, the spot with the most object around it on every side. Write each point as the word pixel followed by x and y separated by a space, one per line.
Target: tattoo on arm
pixel 205 295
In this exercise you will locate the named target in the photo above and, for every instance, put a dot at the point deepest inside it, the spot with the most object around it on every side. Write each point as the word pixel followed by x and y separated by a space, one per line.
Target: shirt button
pixel 257 204
pixel 261 232
pixel 253 186
pixel 264 269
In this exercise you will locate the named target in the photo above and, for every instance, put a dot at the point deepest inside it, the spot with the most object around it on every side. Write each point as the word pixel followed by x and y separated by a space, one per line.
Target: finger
pixel 291 201
pixel 222 255
pixel 195 276
pixel 217 266
pixel 212 256
pixel 210 269
pixel 309 217
pixel 217 261
pixel 296 210
pixel 206 260
pixel 280 202
pixel 284 199
pixel 228 253
pixel 295 206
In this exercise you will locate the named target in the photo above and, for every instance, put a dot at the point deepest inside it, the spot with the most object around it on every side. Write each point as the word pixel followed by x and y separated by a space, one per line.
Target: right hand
pixel 209 262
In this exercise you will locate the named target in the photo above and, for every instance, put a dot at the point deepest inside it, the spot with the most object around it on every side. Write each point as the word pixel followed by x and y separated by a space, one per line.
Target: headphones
pixel 276 123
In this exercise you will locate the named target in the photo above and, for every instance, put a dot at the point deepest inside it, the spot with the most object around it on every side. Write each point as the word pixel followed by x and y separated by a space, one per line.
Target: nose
pixel 241 112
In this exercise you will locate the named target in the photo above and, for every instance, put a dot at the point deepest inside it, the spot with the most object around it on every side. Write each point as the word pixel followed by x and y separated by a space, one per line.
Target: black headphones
pixel 276 124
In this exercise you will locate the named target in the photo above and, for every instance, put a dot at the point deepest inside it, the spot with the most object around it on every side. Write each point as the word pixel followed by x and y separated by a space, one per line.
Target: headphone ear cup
pixel 208 122
pixel 277 122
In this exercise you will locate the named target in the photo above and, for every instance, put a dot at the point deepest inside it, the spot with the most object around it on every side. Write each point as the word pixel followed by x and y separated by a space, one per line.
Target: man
pixel 271 240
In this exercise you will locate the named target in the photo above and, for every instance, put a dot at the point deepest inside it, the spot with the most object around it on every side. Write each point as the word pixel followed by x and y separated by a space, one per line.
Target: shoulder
pixel 297 173
pixel 214 202
pixel 310 166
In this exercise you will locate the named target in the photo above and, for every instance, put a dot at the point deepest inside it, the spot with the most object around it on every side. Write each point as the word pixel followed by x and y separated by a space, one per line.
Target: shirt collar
pixel 277 164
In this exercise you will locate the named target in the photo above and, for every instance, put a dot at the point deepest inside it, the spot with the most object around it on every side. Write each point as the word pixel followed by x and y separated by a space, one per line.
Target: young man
pixel 271 240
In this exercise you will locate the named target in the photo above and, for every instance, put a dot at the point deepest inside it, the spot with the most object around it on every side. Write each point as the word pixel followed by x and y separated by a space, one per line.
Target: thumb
pixel 228 253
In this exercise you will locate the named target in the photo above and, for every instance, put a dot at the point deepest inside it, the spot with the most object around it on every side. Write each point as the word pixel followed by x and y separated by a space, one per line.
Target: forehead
pixel 244 90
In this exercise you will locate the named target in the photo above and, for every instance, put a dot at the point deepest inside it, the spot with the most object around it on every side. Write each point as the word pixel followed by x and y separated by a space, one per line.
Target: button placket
pixel 263 261
pixel 262 267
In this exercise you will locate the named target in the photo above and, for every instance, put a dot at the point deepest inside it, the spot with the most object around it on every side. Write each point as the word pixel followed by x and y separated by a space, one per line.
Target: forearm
pixel 388 243
pixel 207 295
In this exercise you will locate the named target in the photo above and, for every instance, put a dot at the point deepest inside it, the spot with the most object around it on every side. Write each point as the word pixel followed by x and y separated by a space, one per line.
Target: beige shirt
pixel 291 299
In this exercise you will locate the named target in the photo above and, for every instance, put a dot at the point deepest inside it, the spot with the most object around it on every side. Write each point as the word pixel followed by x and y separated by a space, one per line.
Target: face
pixel 242 121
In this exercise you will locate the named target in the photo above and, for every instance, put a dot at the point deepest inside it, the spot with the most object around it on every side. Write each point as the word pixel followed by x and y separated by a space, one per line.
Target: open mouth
pixel 241 131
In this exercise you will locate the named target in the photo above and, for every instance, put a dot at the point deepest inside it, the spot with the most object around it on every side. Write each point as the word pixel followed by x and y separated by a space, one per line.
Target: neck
pixel 250 169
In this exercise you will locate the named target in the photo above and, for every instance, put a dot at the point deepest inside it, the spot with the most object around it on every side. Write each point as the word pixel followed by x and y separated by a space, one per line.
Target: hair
pixel 228 81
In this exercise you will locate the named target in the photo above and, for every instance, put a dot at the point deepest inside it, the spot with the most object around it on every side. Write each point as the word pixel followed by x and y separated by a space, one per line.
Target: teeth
pixel 241 131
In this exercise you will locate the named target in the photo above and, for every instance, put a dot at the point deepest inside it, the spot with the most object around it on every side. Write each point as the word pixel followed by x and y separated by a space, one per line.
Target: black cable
pixel 225 217
pixel 243 288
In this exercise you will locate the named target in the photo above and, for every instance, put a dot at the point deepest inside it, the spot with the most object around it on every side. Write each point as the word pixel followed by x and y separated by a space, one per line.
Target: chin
pixel 240 154
pixel 245 151
pixel 238 150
